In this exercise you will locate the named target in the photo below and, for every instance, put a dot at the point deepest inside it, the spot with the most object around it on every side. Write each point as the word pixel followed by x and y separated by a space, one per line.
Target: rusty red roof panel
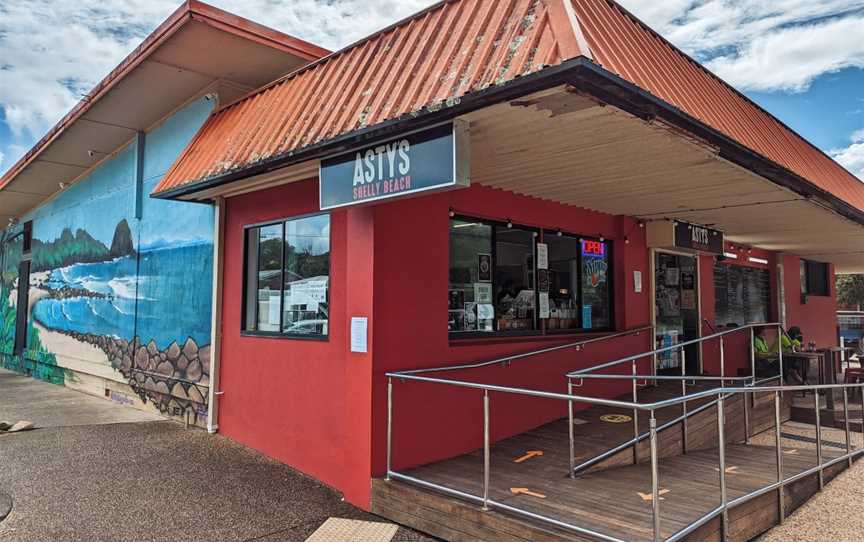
pixel 451 49
pixel 426 61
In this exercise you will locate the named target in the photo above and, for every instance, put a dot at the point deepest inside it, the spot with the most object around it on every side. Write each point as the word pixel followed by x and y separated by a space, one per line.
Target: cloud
pixel 781 45
pixel 852 157
pixel 52 52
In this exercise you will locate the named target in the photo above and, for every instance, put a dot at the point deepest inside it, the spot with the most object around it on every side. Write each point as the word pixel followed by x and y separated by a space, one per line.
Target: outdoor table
pixel 807 358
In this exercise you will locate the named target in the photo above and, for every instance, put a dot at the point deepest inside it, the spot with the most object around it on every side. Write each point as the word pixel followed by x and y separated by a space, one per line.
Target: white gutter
pixel 216 315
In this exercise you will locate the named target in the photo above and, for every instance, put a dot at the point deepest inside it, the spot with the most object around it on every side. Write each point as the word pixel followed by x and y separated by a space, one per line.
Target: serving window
pixel 513 280
pixel 742 294
pixel 287 279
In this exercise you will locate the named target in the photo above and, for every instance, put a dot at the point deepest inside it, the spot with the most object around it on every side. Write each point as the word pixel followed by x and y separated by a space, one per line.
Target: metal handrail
pixel 672 348
pixel 578 345
pixel 722 394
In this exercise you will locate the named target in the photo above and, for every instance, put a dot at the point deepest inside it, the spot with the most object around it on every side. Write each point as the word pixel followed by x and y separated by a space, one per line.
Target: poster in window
pixel 484 267
pixel 688 299
pixel 543 280
pixel 672 276
pixel 470 317
pixel 483 292
pixel 456 320
pixel 586 316
pixel 485 312
pixel 688 281
pixel 542 256
pixel 595 271
pixel 544 305
pixel 456 300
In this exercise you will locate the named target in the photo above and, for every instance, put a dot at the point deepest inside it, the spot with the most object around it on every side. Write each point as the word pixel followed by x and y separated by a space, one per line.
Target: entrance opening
pixel 676 306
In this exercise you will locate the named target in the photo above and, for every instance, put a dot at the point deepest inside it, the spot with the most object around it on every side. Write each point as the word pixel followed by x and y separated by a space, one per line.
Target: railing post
pixel 683 403
pixel 570 429
pixel 780 353
pixel 752 355
pixel 818 437
pixel 722 364
pixel 721 441
pixel 846 423
pixel 635 417
pixel 485 450
pixel 389 427
pixel 778 442
pixel 655 477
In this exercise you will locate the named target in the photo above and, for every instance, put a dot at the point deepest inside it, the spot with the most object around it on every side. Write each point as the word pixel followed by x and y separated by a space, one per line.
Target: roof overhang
pixel 198 50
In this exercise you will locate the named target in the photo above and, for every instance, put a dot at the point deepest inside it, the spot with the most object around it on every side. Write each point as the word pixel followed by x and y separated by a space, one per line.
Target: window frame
pixel 808 279
pixel 244 314
pixel 541 330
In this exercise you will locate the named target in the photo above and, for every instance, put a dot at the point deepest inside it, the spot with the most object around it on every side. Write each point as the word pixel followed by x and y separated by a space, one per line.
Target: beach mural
pixel 118 304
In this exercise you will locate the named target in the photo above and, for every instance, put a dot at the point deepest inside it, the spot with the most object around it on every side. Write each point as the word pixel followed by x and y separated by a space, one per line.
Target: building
pixel 485 179
pixel 120 289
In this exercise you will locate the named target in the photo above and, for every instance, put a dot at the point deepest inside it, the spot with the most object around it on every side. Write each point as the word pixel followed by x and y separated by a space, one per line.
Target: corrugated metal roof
pixel 436 57
pixel 429 60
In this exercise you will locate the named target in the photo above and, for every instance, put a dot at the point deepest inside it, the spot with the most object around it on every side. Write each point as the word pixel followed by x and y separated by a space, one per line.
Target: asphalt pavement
pixel 140 479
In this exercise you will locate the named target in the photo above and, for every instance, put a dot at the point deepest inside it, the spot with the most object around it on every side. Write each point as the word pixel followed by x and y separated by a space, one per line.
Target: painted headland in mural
pixel 120 298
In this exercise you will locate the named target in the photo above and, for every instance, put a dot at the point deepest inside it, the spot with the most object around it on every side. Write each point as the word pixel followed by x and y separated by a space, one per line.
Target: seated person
pixel 767 358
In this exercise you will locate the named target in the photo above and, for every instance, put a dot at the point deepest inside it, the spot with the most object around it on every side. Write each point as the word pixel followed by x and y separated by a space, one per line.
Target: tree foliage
pixel 850 289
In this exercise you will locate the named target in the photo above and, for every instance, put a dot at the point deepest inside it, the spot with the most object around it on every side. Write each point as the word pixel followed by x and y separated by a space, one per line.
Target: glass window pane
pixel 307 276
pixel 269 276
pixel 470 295
pixel 514 279
pixel 563 282
pixel 596 305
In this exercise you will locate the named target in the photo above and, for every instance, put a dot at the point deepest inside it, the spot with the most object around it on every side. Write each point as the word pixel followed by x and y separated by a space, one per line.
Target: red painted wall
pixel 817 318
pixel 303 402
pixel 411 280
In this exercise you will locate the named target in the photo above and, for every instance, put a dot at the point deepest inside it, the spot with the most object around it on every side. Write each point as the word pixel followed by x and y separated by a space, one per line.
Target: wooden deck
pixel 613 498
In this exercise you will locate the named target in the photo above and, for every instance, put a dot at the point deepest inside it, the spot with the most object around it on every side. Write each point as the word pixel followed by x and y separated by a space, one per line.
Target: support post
pixel 780 353
pixel 778 442
pixel 485 450
pixel 752 355
pixel 570 429
pixel 655 477
pixel 846 423
pixel 721 443
pixel 684 403
pixel 389 427
pixel 722 363
pixel 818 438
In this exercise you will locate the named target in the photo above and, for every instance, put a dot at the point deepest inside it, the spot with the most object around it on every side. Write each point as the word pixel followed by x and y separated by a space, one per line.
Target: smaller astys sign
pixel 696 237
pixel 433 159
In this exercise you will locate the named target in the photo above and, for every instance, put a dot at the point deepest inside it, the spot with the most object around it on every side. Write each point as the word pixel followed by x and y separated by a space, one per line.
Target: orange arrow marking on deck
pixel 649 497
pixel 793 451
pixel 528 455
pixel 729 470
pixel 526 491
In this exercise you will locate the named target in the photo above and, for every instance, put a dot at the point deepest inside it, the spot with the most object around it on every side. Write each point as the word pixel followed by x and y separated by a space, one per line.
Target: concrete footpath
pixel 94 471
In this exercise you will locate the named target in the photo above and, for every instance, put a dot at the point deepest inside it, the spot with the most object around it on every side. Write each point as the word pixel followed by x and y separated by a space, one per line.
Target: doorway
pixel 676 310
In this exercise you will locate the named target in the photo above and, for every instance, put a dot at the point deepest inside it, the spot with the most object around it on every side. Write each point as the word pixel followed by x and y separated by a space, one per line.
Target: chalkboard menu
pixel 742 294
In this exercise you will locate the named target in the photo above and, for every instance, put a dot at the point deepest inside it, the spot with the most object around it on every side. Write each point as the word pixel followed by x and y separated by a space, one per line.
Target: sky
pixel 802 60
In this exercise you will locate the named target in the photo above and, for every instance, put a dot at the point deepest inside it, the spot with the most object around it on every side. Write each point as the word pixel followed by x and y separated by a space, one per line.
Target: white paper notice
pixel 544 305
pixel 359 331
pixel 542 256
pixel 485 311
pixel 637 281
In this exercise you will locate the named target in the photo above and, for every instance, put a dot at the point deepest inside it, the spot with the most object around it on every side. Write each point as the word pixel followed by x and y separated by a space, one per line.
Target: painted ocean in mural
pixel 111 298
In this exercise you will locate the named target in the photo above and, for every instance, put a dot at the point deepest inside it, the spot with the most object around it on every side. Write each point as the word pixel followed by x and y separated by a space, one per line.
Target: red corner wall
pixel 303 402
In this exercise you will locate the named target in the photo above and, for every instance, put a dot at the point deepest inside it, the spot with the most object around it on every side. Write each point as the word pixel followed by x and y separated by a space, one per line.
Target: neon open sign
pixel 593 248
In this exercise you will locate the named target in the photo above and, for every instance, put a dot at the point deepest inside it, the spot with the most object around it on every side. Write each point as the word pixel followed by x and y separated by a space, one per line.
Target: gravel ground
pixel 806 430
pixel 156 481
pixel 835 515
